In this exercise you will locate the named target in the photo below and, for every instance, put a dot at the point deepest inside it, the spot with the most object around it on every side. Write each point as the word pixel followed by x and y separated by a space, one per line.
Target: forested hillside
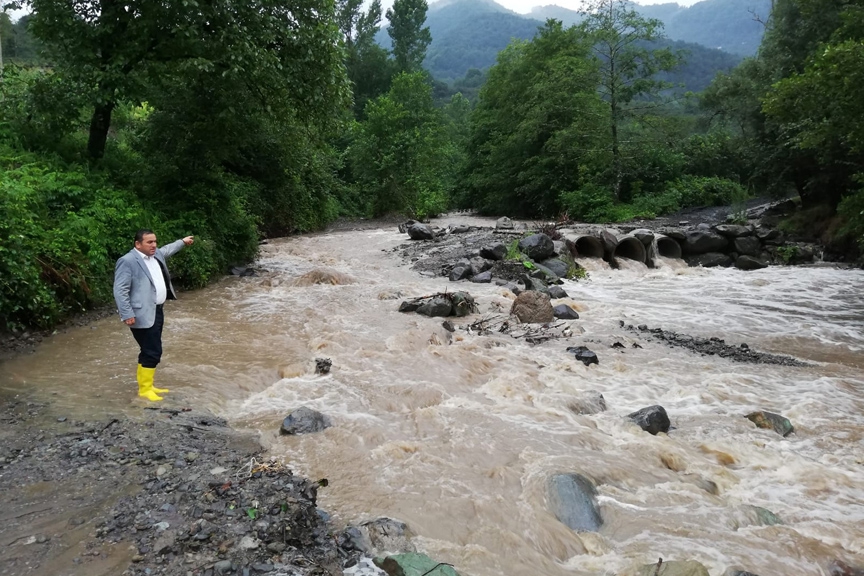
pixel 241 125
pixel 734 26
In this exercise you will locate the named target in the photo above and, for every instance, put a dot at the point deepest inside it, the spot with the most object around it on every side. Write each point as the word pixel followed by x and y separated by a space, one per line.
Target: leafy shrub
pixel 706 191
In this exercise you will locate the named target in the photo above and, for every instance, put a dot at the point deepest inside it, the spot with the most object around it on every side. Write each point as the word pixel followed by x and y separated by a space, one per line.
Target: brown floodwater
pixel 458 440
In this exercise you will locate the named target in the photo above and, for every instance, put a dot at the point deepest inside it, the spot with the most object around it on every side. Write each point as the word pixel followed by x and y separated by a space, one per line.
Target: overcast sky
pixel 521 6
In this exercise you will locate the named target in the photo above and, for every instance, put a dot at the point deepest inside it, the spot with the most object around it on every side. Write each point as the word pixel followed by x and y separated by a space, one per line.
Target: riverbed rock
pixel 736 572
pixel 459 272
pixel 564 312
pixel 572 499
pixel 769 235
pixel 674 568
pixel 589 402
pixel 709 260
pixel 504 223
pixel 413 564
pixel 557 292
pixel 304 420
pixel 482 277
pixel 545 274
pixel 748 246
pixel 533 307
pixel 479 265
pixel 584 355
pixel 534 284
pixel 494 252
pixel 609 241
pixel 557 267
pixel 438 306
pixel 750 263
pixel 644 235
pixel 462 304
pixel 652 419
pixel 702 241
pixel 733 230
pixel 420 231
pixel 387 536
pixel 771 421
pixel 537 247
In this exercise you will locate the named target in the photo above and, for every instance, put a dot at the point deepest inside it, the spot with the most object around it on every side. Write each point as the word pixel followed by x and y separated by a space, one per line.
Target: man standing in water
pixel 141 286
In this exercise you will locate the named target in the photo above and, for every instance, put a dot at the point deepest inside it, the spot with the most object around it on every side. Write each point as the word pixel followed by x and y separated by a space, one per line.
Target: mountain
pixel 729 25
pixel 469 34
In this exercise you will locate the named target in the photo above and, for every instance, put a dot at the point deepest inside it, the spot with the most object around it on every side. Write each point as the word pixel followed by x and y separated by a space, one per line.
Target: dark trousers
pixel 150 341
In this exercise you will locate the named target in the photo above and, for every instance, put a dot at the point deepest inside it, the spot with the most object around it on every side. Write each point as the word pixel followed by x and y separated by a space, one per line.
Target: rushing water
pixel 458 440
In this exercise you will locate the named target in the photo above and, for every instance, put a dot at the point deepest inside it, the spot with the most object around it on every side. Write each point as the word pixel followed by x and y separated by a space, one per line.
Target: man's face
pixel 147 246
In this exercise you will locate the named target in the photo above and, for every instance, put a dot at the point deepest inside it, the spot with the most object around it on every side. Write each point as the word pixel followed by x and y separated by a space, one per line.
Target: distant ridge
pixel 469 34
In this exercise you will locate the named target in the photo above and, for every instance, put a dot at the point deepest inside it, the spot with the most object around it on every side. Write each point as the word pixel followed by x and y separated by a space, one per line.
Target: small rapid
pixel 458 440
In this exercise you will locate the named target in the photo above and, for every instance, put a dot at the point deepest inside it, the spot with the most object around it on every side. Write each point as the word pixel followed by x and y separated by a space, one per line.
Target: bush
pixel 706 191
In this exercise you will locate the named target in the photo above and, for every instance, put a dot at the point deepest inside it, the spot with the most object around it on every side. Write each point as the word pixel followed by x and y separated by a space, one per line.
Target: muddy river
pixel 458 440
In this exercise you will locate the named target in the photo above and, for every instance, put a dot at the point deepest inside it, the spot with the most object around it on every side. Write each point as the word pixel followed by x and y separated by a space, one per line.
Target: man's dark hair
pixel 139 235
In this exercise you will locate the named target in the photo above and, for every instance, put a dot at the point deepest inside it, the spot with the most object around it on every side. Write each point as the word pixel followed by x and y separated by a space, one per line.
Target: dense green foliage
pixel 236 122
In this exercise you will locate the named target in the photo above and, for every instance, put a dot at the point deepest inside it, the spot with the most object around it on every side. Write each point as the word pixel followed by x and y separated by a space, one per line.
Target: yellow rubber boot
pixel 145 384
pixel 156 390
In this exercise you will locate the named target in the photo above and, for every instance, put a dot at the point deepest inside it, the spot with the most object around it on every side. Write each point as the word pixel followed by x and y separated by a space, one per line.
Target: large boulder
pixel 420 231
pixel 557 292
pixel 387 535
pixel 479 265
pixel 482 277
pixel 537 247
pixel 674 568
pixel 771 421
pixel 459 272
pixel 564 312
pixel 504 223
pixel 733 230
pixel 494 251
pixel 584 355
pixel 749 263
pixel 748 245
pixel 543 273
pixel 533 307
pixel 557 266
pixel 609 241
pixel 304 420
pixel 652 419
pixel 572 498
pixel 438 306
pixel 710 260
pixel 702 241
pixel 644 235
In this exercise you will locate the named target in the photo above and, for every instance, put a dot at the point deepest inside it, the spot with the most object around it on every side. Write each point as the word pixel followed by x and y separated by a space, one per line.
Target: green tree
pixel 400 152
pixel 368 66
pixel 537 130
pixel 628 69
pixel 287 53
pixel 410 38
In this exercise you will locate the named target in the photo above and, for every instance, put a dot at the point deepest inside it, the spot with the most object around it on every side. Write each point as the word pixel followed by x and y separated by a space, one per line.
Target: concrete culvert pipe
pixel 668 247
pixel 630 247
pixel 588 247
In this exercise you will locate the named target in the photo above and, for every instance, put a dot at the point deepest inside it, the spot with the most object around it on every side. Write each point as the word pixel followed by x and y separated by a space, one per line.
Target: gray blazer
pixel 134 290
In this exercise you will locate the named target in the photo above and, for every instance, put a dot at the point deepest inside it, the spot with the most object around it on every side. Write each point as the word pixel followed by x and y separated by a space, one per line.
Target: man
pixel 141 286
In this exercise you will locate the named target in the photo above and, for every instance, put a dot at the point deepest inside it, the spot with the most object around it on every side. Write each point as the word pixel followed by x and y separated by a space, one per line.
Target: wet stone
pixel 564 312
pixel 572 498
pixel 304 421
pixel 652 419
pixel 771 421
pixel 674 568
pixel 584 355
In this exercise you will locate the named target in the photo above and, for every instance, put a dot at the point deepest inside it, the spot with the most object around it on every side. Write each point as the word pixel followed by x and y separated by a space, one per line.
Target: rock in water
pixel 652 419
pixel 459 272
pixel 557 267
pixel 504 223
pixel 557 292
pixel 463 304
pixel 438 306
pixel 771 421
pixel 572 500
pixel 749 263
pixel 483 277
pixel 564 312
pixel 322 365
pixel 494 252
pixel 709 260
pixel 748 246
pixel 703 241
pixel 584 354
pixel 644 236
pixel 674 568
pixel 840 568
pixel 420 231
pixel 413 564
pixel 304 421
pixel 591 402
pixel 387 535
pixel 533 307
pixel 537 247
pixel 736 572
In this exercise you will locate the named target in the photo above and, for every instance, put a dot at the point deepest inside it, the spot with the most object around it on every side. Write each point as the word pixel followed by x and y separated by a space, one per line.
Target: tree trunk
pixel 99 124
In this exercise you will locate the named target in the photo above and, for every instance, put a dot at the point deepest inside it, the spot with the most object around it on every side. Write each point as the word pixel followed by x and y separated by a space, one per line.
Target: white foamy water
pixel 458 440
